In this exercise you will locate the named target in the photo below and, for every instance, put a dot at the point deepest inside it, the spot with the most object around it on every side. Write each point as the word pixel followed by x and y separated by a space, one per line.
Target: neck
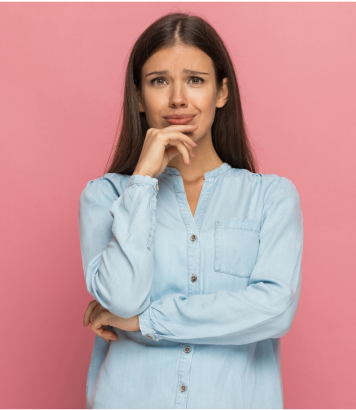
pixel 206 160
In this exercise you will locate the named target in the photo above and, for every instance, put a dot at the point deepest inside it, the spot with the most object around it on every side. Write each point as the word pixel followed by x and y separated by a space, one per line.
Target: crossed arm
pixel 116 238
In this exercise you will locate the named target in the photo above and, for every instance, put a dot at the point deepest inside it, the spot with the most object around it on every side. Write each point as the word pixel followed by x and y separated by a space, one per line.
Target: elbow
pixel 127 309
pixel 286 318
pixel 125 312
pixel 124 304
pixel 284 325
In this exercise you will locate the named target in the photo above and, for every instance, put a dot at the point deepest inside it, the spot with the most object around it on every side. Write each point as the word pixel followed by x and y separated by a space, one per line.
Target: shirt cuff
pixel 147 181
pixel 146 324
pixel 142 180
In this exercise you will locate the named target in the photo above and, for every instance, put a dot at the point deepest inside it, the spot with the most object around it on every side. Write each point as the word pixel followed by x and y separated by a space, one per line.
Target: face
pixel 187 86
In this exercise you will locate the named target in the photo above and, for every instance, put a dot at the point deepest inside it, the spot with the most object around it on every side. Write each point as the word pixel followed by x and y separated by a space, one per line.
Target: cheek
pixel 207 109
pixel 153 108
pixel 205 101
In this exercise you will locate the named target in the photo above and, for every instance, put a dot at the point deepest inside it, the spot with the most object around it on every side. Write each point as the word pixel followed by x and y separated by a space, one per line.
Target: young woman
pixel 193 258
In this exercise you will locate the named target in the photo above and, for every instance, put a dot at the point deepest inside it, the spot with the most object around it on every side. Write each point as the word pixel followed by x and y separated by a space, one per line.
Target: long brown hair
pixel 229 134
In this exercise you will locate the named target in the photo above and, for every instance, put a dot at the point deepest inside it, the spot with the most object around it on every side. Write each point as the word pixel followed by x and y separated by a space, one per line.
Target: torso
pixel 193 193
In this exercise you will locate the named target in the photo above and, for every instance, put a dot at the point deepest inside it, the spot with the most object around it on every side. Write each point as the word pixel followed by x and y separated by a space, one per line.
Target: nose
pixel 178 97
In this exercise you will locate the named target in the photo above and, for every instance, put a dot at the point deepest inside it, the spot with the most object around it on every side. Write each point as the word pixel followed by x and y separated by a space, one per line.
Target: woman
pixel 193 258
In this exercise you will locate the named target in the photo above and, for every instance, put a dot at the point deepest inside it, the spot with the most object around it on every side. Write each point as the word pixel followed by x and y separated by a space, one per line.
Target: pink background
pixel 61 81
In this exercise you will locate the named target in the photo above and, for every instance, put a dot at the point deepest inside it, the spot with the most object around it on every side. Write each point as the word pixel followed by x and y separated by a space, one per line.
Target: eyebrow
pixel 184 71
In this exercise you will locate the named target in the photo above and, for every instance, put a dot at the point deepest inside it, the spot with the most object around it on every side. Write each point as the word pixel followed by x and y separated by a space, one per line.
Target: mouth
pixel 179 119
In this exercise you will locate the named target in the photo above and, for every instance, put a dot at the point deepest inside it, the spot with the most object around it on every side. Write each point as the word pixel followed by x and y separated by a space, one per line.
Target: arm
pixel 115 239
pixel 265 309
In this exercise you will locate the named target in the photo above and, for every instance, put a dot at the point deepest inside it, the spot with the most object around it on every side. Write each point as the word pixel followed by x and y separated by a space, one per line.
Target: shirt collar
pixel 210 174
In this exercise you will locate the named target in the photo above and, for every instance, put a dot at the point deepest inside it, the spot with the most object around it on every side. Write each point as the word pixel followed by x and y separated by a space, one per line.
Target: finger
pixel 190 150
pixel 98 327
pixel 98 323
pixel 174 150
pixel 173 138
pixel 92 305
pixel 185 153
pixel 107 339
pixel 95 313
pixel 108 335
pixel 180 127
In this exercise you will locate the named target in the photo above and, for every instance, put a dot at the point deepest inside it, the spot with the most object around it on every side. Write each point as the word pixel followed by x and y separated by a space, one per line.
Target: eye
pixel 162 78
pixel 155 79
pixel 198 78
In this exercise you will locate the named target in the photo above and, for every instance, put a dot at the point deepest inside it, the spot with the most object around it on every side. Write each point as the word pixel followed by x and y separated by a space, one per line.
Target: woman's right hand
pixel 155 155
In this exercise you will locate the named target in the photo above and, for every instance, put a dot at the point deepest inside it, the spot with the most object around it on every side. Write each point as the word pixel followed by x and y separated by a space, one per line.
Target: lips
pixel 179 119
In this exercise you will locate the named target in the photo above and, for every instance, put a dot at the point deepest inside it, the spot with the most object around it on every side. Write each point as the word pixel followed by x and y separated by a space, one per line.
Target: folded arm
pixel 265 309
pixel 116 236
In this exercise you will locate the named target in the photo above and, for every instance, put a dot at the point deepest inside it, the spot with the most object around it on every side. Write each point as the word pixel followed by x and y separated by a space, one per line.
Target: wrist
pixel 137 171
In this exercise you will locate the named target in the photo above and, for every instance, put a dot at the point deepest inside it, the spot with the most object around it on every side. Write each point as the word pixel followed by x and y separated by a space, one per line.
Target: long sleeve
pixel 265 309
pixel 116 238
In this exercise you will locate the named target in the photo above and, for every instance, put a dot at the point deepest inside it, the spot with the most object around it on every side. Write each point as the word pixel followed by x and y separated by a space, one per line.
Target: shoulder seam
pixel 101 187
pixel 102 178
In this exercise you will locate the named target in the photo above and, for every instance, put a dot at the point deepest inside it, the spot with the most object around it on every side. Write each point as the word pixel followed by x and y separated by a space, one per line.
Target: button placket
pixel 185 363
pixel 193 241
pixel 193 265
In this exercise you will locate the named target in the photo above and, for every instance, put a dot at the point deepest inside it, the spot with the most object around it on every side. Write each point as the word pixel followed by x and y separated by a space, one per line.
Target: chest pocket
pixel 236 244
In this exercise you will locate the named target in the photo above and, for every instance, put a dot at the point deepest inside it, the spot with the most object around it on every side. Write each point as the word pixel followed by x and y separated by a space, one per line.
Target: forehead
pixel 178 58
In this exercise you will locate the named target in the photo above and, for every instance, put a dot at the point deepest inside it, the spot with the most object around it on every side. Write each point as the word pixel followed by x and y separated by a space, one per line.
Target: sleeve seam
pixel 268 194
pixel 154 331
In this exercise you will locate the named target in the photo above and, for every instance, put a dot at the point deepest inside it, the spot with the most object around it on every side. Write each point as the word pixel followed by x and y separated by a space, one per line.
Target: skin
pixel 182 92
pixel 173 92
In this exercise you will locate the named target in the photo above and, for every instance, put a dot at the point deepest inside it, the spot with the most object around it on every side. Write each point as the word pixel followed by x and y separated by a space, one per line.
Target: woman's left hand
pixel 98 316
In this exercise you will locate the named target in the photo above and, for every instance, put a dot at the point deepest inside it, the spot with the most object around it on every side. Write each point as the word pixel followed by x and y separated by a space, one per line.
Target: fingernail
pixel 193 154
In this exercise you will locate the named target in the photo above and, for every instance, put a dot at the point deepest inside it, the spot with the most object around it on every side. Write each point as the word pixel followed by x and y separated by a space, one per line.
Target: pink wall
pixel 60 91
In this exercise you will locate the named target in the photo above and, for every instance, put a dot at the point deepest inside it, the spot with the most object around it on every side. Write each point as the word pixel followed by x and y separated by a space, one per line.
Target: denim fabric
pixel 214 292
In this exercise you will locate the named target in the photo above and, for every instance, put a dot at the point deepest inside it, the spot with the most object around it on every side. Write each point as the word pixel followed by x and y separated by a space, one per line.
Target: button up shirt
pixel 214 292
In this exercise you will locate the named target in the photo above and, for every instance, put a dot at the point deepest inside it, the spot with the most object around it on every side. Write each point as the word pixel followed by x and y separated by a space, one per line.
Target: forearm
pixel 120 276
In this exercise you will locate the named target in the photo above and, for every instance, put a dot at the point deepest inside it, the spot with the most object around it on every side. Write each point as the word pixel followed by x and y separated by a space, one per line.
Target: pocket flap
pixel 236 246
pixel 248 224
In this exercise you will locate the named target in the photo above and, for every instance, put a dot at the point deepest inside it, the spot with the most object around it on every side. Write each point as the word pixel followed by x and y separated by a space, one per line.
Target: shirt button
pixel 157 187
pixel 149 336
pixel 187 349
pixel 193 237
pixel 182 388
pixel 193 278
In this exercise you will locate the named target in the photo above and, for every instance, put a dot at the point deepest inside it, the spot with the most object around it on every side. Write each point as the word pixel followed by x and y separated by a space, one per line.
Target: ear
pixel 222 94
pixel 139 100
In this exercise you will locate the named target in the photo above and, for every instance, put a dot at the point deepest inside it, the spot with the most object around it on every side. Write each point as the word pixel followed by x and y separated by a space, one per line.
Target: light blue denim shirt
pixel 214 292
